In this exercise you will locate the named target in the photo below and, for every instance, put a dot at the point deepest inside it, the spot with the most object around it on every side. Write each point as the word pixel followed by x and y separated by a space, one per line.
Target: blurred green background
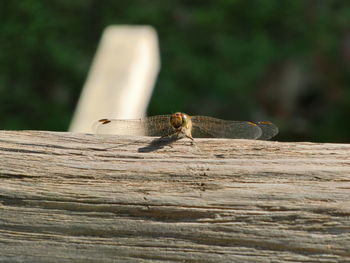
pixel 284 61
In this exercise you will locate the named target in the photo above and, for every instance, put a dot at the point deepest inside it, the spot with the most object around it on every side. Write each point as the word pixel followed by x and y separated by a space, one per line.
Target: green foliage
pixel 217 59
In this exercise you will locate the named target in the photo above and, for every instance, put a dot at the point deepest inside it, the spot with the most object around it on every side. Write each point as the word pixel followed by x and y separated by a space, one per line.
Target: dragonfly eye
pixel 176 120
pixel 185 119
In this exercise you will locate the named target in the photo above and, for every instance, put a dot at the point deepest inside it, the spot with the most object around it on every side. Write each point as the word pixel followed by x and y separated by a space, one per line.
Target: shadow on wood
pixel 68 197
pixel 158 143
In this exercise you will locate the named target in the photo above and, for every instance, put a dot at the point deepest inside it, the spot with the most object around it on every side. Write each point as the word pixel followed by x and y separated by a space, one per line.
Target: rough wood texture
pixel 68 197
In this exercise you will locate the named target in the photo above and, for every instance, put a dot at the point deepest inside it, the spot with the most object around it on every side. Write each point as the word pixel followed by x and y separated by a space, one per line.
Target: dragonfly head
pixel 182 124
pixel 179 120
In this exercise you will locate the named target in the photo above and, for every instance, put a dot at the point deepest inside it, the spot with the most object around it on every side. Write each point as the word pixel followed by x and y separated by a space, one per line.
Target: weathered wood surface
pixel 68 197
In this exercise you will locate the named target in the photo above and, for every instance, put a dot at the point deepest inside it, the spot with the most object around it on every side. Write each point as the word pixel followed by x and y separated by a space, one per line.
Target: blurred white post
pixel 121 78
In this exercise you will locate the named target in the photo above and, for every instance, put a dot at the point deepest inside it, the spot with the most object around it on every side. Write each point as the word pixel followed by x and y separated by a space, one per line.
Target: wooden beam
pixel 68 197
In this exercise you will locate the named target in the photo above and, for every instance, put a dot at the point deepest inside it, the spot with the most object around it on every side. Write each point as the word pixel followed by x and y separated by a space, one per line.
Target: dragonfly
pixel 183 125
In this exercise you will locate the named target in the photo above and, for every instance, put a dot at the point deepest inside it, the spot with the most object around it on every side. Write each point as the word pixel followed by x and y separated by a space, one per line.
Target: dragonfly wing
pixel 158 125
pixel 269 130
pixel 149 126
pixel 119 127
pixel 212 127
pixel 197 132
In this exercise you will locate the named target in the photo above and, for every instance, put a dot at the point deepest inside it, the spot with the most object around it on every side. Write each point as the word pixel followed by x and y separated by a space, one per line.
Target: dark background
pixel 284 61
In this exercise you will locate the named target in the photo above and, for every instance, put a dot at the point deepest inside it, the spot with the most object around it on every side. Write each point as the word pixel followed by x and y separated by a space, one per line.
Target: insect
pixel 182 125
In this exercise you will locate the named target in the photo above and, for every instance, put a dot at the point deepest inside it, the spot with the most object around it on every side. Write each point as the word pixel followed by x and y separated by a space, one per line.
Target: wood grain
pixel 68 197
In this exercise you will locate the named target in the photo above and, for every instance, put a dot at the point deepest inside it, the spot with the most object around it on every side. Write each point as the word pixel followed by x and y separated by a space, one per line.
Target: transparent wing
pixel 204 126
pixel 149 126
pixel 269 130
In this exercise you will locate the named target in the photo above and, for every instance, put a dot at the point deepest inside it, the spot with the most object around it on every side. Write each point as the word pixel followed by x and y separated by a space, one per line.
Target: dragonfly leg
pixel 170 135
pixel 179 134
pixel 190 137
